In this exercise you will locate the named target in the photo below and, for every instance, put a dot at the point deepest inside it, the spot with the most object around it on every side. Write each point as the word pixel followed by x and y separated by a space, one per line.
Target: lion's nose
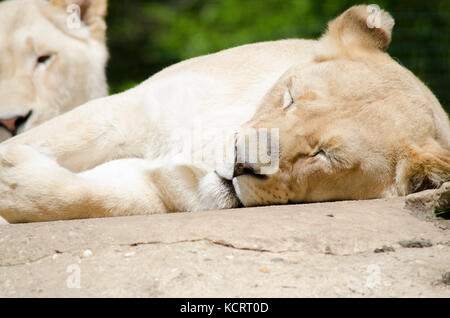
pixel 13 123
pixel 244 161
pixel 247 161
pixel 256 153
pixel 10 124
pixel 241 169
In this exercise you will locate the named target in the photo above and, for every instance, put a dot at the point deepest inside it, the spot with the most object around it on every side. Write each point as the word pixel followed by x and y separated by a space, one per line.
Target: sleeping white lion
pixel 268 123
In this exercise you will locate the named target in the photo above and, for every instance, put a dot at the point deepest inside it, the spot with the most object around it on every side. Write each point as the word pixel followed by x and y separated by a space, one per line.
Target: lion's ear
pixel 362 26
pixel 422 169
pixel 91 12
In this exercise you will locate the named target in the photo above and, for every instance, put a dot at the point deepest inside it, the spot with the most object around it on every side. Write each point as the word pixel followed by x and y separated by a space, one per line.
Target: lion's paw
pixel 15 155
pixel 25 174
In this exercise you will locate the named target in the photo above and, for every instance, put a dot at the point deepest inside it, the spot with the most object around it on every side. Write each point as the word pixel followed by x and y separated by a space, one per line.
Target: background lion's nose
pixel 13 123
pixel 10 123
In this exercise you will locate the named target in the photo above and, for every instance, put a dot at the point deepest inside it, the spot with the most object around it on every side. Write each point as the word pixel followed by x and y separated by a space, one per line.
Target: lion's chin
pixel 259 191
pixel 228 184
pixel 244 193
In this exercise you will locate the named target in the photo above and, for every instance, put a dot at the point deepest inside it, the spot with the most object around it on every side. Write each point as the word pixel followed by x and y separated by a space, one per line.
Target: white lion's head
pixel 52 59
pixel 353 124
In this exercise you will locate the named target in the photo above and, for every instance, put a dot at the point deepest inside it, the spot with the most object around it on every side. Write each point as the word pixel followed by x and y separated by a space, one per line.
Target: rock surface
pixel 310 250
pixel 425 203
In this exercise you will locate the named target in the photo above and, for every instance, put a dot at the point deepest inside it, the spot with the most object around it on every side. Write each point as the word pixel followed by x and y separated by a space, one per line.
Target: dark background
pixel 146 36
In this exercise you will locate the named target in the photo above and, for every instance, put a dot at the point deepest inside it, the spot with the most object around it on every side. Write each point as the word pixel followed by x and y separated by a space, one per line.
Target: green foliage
pixel 146 36
pixel 445 213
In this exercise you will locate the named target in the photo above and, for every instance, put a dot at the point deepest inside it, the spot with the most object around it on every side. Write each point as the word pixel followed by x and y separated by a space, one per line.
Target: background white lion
pixel 52 59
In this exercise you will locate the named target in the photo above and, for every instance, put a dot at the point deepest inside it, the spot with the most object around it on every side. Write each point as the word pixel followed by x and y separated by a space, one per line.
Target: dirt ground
pixel 372 248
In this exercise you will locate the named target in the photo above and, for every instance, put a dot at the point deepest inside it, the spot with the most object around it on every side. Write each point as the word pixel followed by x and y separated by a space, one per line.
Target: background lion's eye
pixel 43 59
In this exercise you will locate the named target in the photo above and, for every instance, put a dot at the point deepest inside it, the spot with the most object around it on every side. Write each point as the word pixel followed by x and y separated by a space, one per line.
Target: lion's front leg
pixel 35 188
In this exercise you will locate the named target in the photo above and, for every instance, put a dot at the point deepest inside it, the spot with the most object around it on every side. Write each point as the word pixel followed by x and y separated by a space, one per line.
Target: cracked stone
pixel 255 238
pixel 425 203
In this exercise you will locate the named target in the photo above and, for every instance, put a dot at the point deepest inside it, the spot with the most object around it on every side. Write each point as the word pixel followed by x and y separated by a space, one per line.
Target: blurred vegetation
pixel 146 36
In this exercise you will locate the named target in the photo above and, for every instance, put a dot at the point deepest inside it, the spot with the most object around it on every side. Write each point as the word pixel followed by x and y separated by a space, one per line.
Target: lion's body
pixel 156 148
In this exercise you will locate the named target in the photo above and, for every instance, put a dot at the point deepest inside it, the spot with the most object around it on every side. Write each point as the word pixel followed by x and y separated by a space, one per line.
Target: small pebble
pixel 129 254
pixel 328 250
pixel 415 243
pixel 446 278
pixel 87 253
pixel 384 249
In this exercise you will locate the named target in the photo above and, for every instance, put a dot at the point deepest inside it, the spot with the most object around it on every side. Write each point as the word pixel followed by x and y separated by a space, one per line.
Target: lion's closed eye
pixel 332 157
